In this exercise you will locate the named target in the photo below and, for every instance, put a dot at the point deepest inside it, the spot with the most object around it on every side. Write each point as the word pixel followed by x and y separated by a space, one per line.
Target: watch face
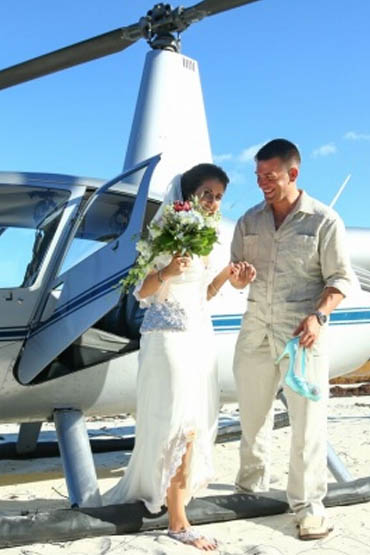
pixel 322 317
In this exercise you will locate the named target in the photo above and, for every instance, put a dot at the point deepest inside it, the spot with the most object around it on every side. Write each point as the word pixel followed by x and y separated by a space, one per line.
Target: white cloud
pixel 324 150
pixel 218 158
pixel 353 136
pixel 248 154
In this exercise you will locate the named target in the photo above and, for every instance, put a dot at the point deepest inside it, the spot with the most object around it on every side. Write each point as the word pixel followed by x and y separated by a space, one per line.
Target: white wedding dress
pixel 177 396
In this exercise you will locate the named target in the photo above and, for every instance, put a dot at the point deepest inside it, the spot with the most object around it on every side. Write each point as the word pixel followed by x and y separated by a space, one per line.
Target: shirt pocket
pixel 250 247
pixel 299 259
pixel 303 249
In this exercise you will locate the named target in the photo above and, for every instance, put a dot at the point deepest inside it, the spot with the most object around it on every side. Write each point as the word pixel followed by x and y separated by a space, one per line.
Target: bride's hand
pixel 227 272
pixel 177 266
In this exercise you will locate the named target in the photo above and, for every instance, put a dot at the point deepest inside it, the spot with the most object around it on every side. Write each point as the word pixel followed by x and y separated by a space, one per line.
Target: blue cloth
pixel 298 383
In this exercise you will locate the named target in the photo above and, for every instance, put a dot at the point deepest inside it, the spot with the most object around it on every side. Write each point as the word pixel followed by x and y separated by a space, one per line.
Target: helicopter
pixel 69 339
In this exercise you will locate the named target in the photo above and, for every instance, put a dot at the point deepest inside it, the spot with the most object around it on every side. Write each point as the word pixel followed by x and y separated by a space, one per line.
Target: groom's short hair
pixel 279 148
pixel 195 177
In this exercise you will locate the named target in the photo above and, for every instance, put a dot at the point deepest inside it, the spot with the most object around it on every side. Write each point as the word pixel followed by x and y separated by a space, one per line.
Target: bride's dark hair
pixel 193 178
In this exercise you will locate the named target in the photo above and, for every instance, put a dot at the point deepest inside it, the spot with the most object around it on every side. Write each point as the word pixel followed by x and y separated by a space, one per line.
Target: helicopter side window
pixel 29 217
pixel 106 220
pixel 14 261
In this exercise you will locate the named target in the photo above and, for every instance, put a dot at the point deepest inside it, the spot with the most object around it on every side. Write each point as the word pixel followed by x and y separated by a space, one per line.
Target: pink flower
pixel 179 206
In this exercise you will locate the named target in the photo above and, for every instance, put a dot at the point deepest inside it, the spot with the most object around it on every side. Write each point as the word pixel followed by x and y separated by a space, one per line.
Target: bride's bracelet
pixel 212 285
pixel 160 276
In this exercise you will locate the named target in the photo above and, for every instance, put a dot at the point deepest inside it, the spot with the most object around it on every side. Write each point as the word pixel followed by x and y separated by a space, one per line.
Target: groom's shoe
pixel 314 527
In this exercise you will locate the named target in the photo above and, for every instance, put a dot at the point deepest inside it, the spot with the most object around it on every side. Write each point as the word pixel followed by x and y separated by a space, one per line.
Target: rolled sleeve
pixel 335 261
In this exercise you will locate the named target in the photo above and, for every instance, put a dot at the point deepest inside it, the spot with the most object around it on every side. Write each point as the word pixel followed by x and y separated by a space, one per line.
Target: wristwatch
pixel 321 317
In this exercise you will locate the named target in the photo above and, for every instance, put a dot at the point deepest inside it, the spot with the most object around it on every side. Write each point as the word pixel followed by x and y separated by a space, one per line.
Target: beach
pixel 37 485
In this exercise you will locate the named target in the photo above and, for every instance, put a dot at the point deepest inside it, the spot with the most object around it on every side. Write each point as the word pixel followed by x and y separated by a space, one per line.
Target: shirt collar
pixel 305 204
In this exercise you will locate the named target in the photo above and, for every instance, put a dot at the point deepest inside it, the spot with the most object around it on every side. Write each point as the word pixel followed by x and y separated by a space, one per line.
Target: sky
pixel 275 68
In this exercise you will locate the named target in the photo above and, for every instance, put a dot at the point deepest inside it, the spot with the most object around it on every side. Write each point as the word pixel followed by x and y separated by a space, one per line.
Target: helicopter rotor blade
pixel 212 7
pixel 161 19
pixel 78 53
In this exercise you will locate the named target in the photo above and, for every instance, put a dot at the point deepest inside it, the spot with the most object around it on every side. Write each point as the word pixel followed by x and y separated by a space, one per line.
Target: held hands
pixel 309 329
pixel 242 273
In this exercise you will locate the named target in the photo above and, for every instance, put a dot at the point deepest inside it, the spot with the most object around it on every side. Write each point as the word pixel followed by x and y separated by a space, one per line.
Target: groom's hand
pixel 309 331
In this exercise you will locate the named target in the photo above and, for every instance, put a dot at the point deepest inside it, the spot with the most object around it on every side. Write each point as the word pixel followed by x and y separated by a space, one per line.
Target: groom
pixel 297 246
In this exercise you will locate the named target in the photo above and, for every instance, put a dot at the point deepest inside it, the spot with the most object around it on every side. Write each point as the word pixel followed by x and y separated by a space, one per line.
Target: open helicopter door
pixel 80 295
pixel 36 210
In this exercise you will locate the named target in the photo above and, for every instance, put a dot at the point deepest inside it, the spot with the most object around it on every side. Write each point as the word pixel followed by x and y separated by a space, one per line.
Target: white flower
pixel 213 223
pixel 154 230
pixel 198 219
pixel 143 247
pixel 191 217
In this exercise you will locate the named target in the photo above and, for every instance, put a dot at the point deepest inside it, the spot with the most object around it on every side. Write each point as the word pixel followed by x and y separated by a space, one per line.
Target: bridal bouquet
pixel 185 228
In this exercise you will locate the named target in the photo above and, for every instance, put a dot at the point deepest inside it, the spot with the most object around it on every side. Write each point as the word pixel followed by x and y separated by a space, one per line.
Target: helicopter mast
pixel 170 116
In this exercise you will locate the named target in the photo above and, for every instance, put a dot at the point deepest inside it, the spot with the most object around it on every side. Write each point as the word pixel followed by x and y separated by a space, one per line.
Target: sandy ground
pixel 39 485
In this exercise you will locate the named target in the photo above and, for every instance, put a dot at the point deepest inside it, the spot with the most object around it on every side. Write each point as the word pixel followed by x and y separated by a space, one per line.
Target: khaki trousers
pixel 257 380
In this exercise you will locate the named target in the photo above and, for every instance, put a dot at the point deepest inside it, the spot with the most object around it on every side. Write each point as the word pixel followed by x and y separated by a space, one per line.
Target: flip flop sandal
pixel 188 536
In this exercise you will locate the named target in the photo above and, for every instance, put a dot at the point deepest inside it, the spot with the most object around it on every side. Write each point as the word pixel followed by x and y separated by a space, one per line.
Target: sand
pixel 38 485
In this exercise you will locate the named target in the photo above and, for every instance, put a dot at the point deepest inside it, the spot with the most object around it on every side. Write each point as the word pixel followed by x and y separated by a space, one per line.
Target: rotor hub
pixel 160 24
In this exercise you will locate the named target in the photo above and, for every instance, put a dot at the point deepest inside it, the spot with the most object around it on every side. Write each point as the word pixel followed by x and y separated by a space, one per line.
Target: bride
pixel 177 386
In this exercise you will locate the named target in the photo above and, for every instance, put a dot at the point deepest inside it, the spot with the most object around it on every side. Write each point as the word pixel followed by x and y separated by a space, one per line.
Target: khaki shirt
pixel 294 264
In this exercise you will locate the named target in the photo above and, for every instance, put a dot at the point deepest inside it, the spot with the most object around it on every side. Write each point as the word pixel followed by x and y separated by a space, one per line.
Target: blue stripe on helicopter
pixel 7 334
pixel 344 316
pixel 92 294
pixel 97 287
pixel 232 322
pixel 221 322
pixel 67 308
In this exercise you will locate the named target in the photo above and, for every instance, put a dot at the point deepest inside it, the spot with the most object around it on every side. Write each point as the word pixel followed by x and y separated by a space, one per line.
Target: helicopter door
pixel 87 286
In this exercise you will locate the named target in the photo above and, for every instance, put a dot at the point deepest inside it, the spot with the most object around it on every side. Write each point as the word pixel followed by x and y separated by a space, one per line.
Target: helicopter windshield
pixel 28 219
pixel 106 220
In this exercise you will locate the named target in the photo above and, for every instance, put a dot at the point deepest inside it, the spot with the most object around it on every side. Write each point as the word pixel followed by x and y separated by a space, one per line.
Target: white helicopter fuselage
pixel 64 290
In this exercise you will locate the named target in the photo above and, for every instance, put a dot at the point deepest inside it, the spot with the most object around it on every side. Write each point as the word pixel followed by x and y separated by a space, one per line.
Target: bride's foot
pixel 189 536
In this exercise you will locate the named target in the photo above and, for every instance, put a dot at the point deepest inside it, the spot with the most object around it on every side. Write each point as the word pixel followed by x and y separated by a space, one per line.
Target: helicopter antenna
pixel 157 27
pixel 340 191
